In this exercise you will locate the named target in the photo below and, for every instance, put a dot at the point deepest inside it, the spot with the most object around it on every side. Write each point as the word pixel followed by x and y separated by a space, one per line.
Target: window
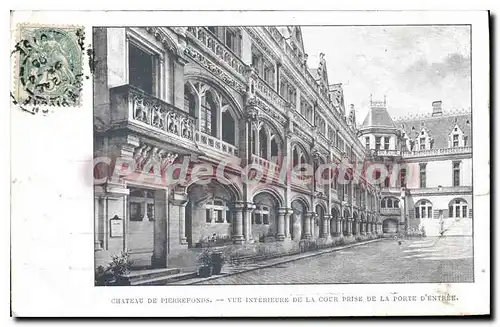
pixel 457 209
pixel 141 69
pixel 422 143
pixel 367 143
pixel 377 142
pixel 151 211
pixel 208 115
pixel 455 140
pixel 135 211
pixel 402 177
pixel 260 215
pixel 456 173
pixel 386 143
pixel 216 211
pixel 269 74
pixel 423 209
pixel 231 40
pixel 423 175
pixel 257 61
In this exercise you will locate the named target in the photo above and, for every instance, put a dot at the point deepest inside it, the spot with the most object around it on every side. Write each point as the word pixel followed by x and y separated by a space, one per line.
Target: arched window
pixel 217 212
pixel 295 156
pixel 189 102
pixel 228 128
pixel 423 209
pixel 457 208
pixel 208 117
pixel 274 147
pixel 263 143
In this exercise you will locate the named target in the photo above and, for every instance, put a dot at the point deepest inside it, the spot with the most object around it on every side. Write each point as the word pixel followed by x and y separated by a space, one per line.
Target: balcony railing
pixel 218 48
pixel 268 165
pixel 390 211
pixel 437 152
pixel 441 190
pixel 269 93
pixel 215 143
pixel 130 103
pixel 388 153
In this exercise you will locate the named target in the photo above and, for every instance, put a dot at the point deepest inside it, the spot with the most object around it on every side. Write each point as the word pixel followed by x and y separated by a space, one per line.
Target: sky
pixel 412 65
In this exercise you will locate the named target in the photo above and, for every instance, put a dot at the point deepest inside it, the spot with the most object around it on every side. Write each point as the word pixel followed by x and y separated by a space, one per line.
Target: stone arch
pixel 458 208
pixel 233 186
pixel 304 199
pixel 266 189
pixel 390 225
pixel 265 215
pixel 219 88
pixel 300 208
pixel 321 210
pixel 210 206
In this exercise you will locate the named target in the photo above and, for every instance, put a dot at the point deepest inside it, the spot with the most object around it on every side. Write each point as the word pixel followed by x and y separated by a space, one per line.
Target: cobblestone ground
pixel 425 260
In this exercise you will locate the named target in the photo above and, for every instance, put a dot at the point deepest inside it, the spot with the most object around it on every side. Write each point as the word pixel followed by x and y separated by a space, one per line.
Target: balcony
pixel 266 164
pixel 390 211
pixel 202 36
pixel 441 190
pixel 387 153
pixel 130 104
pixel 215 143
pixel 269 93
pixel 438 152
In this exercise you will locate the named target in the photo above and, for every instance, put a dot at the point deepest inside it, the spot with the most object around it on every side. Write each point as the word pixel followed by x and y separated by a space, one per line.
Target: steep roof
pixel 438 127
pixel 378 117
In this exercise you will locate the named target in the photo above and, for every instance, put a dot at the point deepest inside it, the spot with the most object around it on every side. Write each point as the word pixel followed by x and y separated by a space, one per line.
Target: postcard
pixel 250 164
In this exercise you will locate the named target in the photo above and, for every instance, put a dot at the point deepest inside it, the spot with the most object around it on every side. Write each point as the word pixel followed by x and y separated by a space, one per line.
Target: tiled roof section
pixel 438 127
pixel 378 117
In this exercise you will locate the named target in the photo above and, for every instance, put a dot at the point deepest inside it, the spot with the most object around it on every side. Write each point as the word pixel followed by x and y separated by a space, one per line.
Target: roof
pixel 438 127
pixel 378 117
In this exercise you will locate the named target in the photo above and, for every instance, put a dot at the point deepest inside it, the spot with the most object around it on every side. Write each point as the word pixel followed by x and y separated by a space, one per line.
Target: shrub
pixel 340 241
pixel 114 272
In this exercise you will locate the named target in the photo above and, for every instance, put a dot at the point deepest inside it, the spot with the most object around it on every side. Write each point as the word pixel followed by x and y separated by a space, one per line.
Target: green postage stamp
pixel 48 69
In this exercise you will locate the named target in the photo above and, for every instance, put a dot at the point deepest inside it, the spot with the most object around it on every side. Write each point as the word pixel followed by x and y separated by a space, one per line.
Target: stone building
pixel 429 163
pixel 238 95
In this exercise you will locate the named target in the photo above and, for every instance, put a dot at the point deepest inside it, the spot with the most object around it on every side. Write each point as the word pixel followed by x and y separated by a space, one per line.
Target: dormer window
pixel 386 143
pixel 455 140
pixel 422 143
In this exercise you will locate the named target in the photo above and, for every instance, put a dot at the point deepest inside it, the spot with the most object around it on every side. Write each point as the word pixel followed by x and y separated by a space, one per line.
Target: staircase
pixel 159 276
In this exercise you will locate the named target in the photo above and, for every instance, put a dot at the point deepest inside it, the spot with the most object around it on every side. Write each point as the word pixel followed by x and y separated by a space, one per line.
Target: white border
pixel 52 228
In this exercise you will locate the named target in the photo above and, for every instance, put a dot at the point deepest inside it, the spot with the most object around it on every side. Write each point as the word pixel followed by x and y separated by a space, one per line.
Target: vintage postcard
pixel 250 163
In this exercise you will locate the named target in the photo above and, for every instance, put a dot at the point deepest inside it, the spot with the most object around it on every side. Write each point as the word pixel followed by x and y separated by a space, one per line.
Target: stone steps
pixel 139 277
pixel 166 279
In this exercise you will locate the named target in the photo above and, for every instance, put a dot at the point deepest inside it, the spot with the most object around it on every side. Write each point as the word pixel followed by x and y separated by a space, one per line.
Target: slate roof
pixel 438 127
pixel 378 117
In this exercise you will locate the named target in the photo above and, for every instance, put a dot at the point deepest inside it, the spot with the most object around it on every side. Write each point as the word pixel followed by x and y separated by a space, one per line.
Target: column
pixel 338 229
pixel 287 223
pixel 178 209
pixel 238 223
pixel 280 235
pixel 326 226
pixel 349 226
pixel 97 210
pixel 160 250
pixel 307 225
pixel 357 227
pixel 247 221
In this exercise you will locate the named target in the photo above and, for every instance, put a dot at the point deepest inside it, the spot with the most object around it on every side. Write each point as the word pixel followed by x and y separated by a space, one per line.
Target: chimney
pixel 437 109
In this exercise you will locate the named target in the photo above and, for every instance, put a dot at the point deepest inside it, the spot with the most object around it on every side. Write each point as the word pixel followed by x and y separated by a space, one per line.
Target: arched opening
pixel 458 208
pixel 318 223
pixel 389 202
pixel 390 226
pixel 208 114
pixel 296 220
pixel 346 222
pixel 208 214
pixel 355 223
pixel 274 147
pixel 333 222
pixel 190 101
pixel 264 217
pixel 228 127
pixel 263 143
pixel 423 209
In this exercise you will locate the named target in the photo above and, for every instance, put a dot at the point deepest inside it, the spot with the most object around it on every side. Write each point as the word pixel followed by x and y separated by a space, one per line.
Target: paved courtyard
pixel 428 260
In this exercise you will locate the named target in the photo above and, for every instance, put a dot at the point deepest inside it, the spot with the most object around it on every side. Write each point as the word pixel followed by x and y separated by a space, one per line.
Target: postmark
pixel 49 66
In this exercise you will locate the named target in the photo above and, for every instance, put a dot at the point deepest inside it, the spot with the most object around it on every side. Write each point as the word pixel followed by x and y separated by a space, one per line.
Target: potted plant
pixel 217 262
pixel 205 260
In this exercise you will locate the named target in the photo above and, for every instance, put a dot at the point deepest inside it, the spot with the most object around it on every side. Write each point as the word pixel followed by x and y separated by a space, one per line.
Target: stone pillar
pixel 280 235
pixel 358 232
pixel 307 225
pixel 312 222
pixel 349 226
pixel 325 232
pixel 97 215
pixel 287 223
pixel 238 223
pixel 247 221
pixel 179 201
pixel 338 229
pixel 161 246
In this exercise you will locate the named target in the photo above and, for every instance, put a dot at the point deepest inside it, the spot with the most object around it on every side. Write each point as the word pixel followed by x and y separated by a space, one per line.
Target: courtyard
pixel 427 260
